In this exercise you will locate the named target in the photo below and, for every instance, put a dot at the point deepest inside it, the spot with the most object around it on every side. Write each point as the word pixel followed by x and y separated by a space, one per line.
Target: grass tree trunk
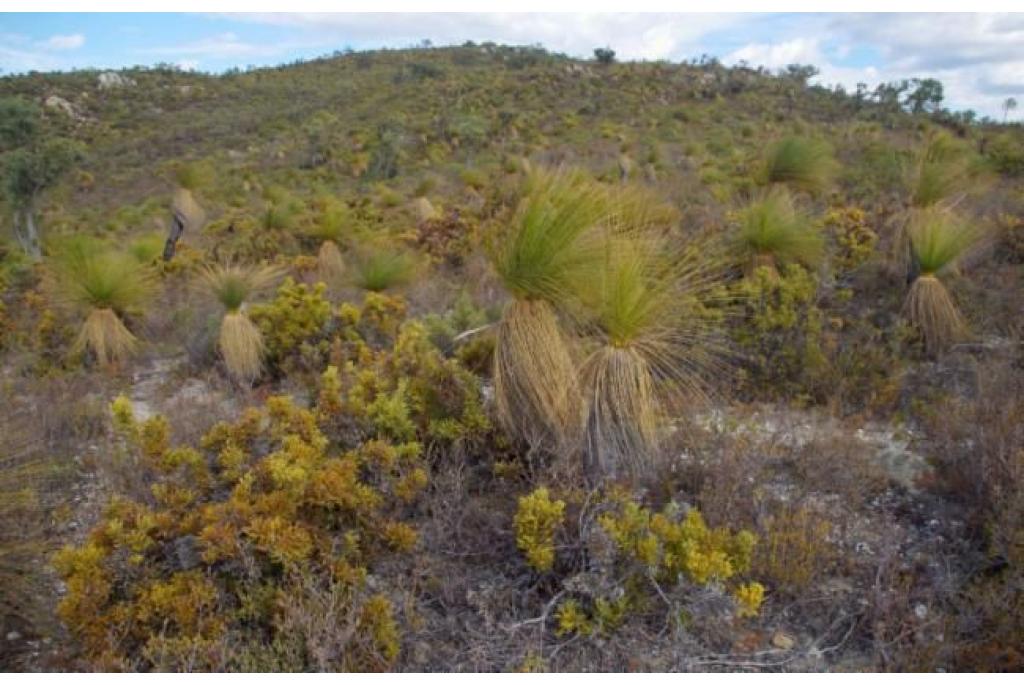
pixel 178 221
pixel 26 232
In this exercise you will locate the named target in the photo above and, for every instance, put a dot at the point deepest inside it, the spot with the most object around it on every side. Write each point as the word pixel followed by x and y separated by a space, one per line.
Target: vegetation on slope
pixel 459 432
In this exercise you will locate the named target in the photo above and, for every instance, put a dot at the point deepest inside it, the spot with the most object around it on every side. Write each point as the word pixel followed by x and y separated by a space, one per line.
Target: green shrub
pixel 779 333
pixel 1007 154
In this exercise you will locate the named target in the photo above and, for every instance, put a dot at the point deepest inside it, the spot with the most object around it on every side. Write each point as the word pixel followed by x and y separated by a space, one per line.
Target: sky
pixel 978 57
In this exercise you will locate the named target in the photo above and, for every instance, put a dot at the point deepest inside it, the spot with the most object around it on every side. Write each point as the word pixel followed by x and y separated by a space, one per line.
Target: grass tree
pixel 940 175
pixel 540 258
pixel 772 231
pixel 240 342
pixel 654 342
pixel 939 241
pixel 799 163
pixel 103 287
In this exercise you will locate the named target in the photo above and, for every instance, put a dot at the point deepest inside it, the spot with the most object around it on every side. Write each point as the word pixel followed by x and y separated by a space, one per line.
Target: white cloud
pixel 977 57
pixel 68 42
pixel 19 53
pixel 777 55
pixel 633 36
pixel 219 46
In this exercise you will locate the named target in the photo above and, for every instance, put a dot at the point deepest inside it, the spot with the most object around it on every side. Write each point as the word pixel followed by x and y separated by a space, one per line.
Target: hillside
pixel 337 428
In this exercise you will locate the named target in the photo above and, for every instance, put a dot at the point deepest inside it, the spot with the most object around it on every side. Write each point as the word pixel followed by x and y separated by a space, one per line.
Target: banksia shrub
pixel 800 163
pixel 771 231
pixel 939 241
pixel 240 342
pixel 536 522
pixel 103 286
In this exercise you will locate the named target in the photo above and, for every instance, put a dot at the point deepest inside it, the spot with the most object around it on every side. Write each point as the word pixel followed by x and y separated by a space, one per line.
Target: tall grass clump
pixel 800 163
pixel 102 286
pixel 540 258
pixel 772 231
pixel 379 269
pixel 240 342
pixel 655 343
pixel 939 241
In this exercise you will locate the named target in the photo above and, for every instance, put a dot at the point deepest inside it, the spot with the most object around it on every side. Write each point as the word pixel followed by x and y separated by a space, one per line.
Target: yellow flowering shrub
pixel 411 391
pixel 571 618
pixel 298 316
pixel 676 549
pixel 780 332
pixel 639 563
pixel 683 547
pixel 854 238
pixel 234 530
pixel 536 521
pixel 748 599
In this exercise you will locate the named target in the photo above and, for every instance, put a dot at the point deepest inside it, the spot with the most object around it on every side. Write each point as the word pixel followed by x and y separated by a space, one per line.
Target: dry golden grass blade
pixel 536 389
pixel 622 420
pixel 105 335
pixel 330 265
pixel 242 347
pixel 930 307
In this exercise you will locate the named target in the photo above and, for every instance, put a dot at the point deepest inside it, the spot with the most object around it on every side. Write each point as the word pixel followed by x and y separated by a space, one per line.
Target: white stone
pixel 110 79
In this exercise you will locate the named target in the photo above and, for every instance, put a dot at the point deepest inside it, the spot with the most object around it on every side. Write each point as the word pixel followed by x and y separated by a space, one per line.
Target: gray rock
pixel 59 103
pixel 186 552
pixel 109 80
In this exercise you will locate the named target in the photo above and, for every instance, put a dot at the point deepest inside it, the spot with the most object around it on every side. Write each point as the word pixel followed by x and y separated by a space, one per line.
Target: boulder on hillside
pixel 59 103
pixel 423 210
pixel 109 80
